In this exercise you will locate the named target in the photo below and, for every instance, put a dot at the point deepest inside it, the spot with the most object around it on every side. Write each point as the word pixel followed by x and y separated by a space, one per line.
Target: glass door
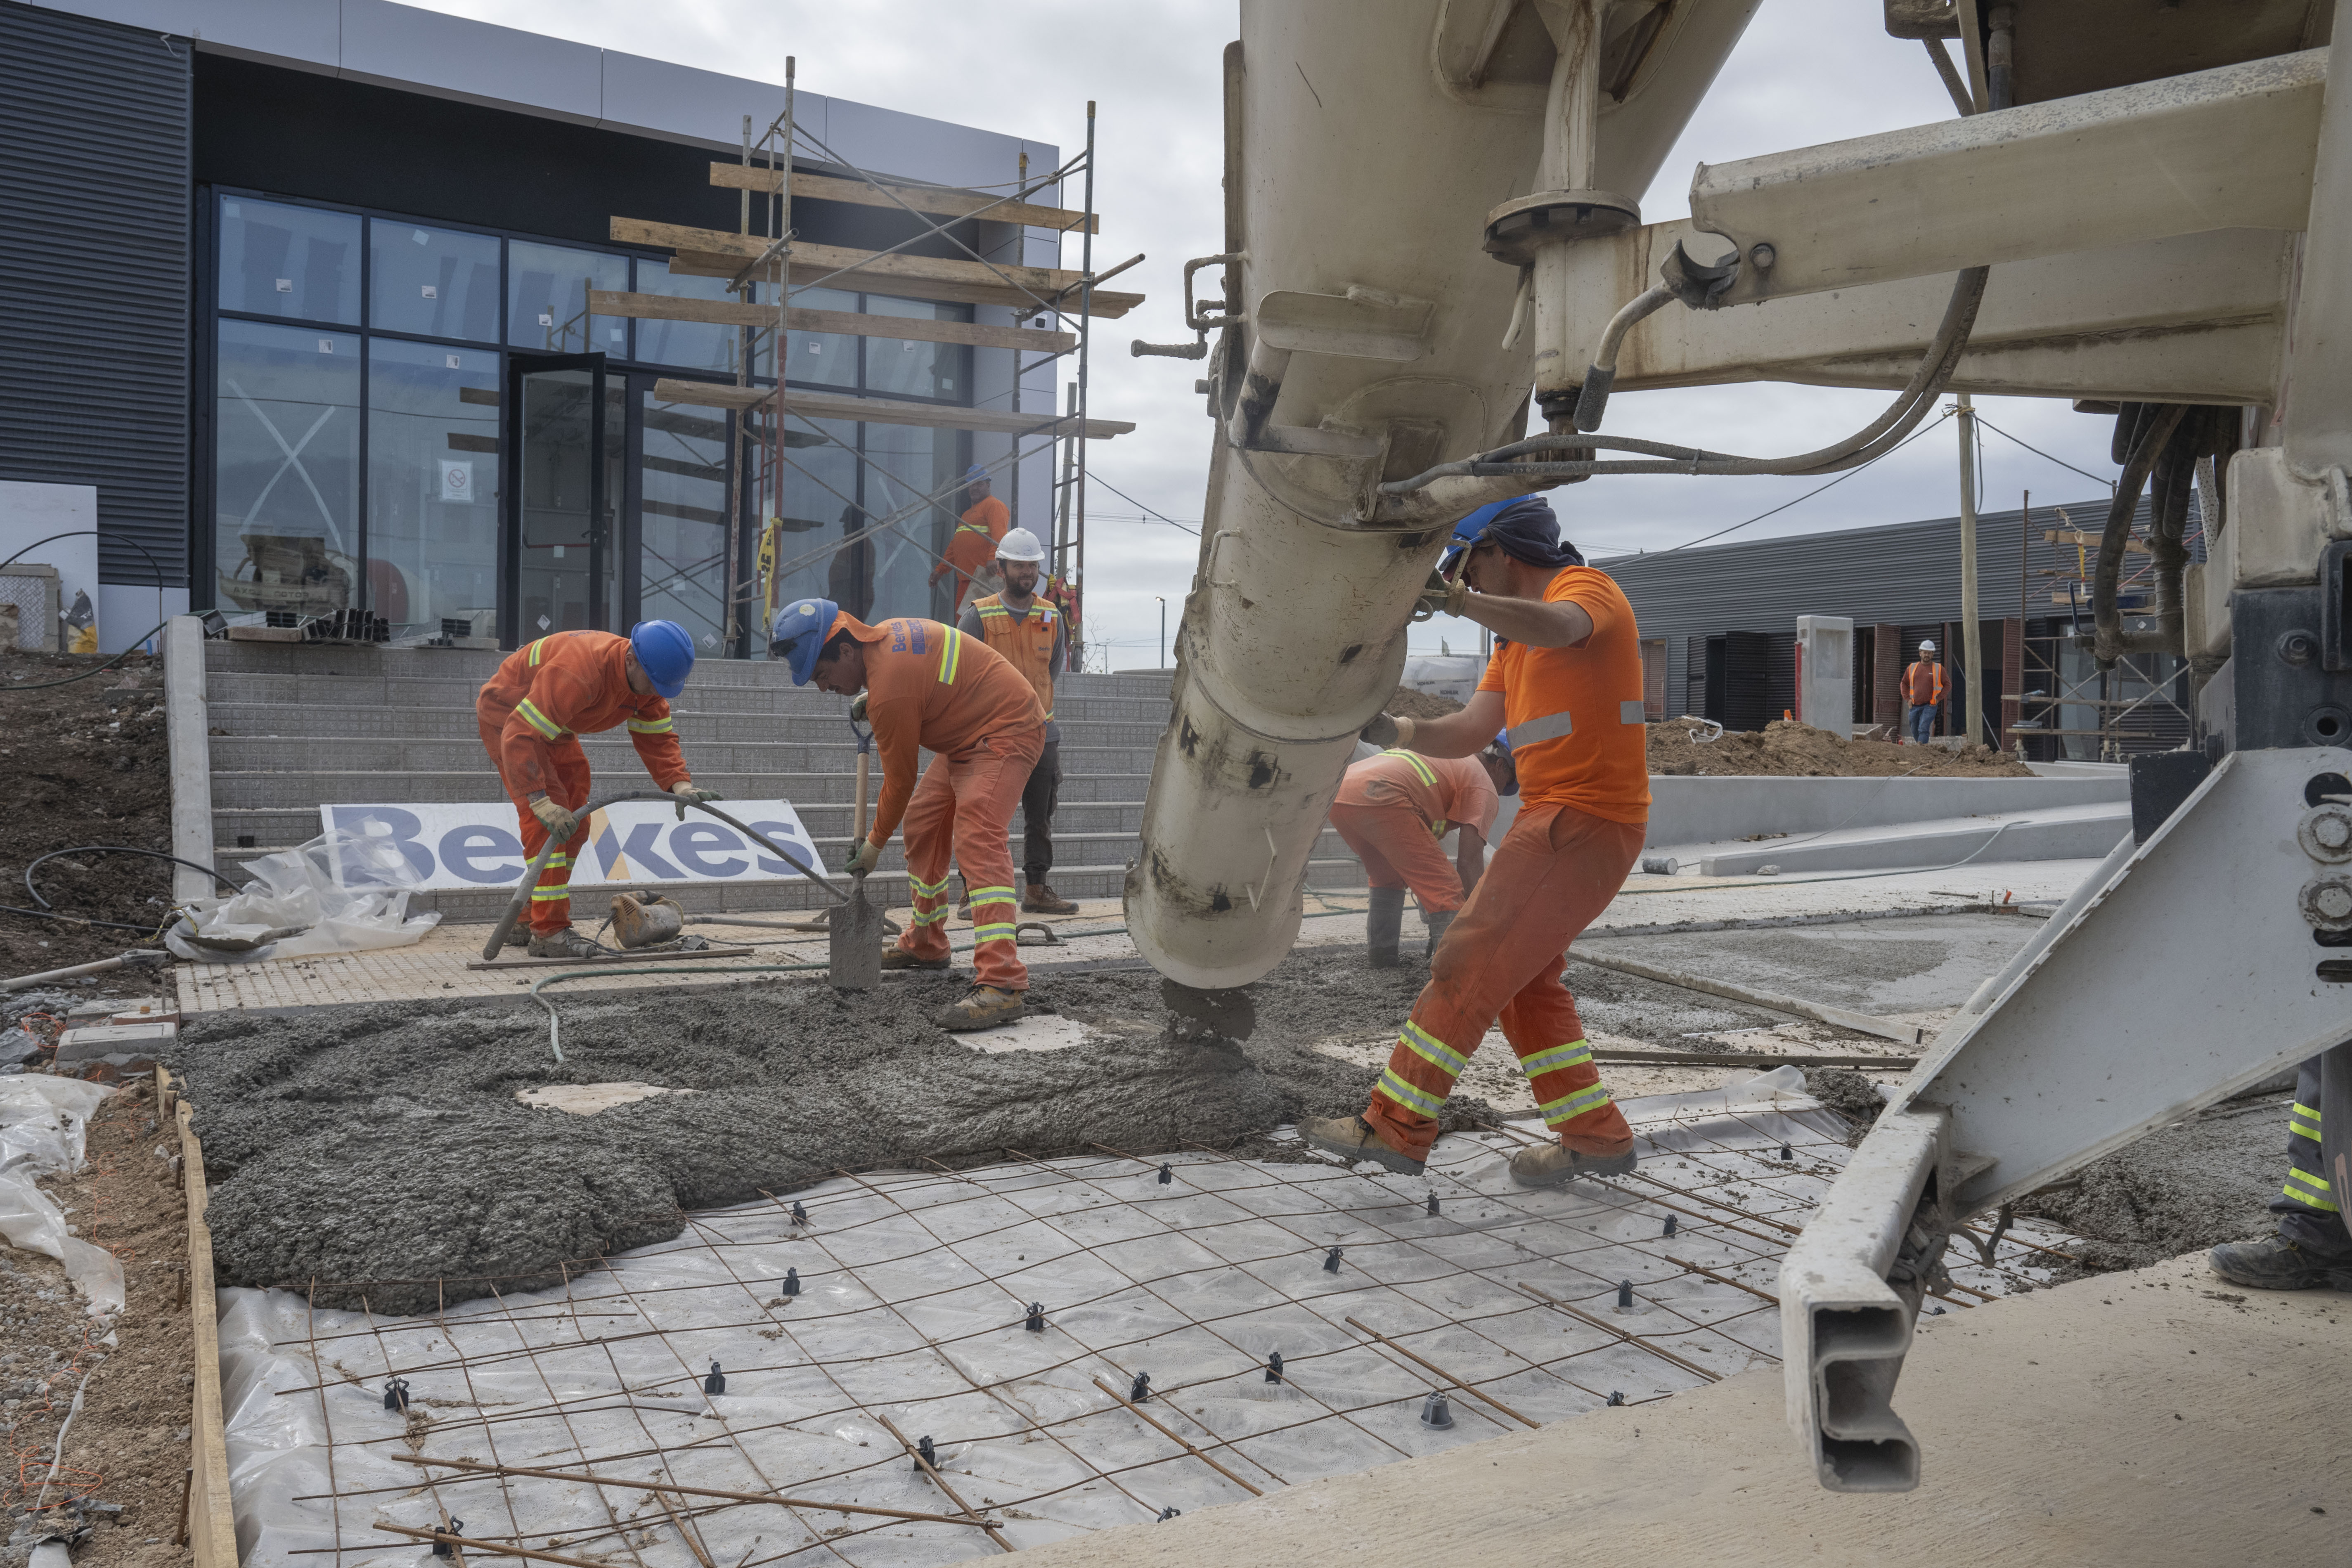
pixel 565 430
pixel 682 503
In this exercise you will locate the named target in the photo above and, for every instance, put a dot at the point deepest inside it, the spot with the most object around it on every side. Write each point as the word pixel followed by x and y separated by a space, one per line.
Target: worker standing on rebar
pixel 1394 811
pixel 928 687
pixel 1565 683
pixel 532 713
pixel 1923 690
pixel 1030 635
pixel 2312 1247
pixel 973 543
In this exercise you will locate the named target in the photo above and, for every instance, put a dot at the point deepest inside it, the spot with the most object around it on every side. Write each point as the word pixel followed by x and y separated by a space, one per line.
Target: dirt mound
pixel 85 763
pixel 1789 750
pixel 1407 703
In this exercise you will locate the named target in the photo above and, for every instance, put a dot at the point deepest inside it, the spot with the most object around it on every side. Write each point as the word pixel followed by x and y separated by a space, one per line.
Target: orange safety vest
pixel 1923 682
pixel 1027 643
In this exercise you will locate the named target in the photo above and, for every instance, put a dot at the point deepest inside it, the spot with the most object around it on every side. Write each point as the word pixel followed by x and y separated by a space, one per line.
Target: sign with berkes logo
pixel 473 843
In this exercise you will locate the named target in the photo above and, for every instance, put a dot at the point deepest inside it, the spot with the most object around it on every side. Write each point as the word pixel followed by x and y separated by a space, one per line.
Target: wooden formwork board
pixel 212 1524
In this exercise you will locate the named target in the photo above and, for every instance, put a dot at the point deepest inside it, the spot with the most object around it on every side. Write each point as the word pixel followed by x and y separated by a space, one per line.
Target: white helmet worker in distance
pixel 1927 645
pixel 1029 633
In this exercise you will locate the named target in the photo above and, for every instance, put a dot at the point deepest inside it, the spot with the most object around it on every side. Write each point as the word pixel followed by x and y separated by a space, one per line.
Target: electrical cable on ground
pixel 101 670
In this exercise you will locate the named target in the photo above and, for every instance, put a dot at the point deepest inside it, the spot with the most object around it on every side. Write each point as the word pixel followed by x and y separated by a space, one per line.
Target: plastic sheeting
pixel 293 907
pixel 43 1122
pixel 913 1295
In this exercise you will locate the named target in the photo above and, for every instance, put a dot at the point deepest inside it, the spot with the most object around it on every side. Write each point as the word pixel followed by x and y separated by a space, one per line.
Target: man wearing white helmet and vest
pixel 1923 690
pixel 928 688
pixel 1031 636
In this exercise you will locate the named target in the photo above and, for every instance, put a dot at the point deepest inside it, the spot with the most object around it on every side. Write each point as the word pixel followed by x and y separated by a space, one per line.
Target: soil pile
pixel 381 1151
pixel 1787 750
pixel 1408 703
pixel 85 763
pixel 128 1447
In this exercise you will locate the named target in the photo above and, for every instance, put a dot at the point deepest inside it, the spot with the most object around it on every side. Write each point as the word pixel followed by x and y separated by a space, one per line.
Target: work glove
pixel 857 709
pixel 863 859
pixel 689 792
pixel 1387 729
pixel 558 820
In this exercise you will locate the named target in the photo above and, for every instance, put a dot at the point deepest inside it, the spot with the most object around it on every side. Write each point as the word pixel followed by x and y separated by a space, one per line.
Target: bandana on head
pixel 1528 530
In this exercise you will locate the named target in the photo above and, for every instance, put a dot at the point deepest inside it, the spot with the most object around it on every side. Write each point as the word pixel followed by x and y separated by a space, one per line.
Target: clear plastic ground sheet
pixel 910 1324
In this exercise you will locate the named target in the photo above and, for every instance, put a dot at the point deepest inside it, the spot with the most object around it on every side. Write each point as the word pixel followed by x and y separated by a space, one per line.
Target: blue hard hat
pixel 974 472
pixel 666 652
pixel 1502 743
pixel 1466 532
pixel 800 634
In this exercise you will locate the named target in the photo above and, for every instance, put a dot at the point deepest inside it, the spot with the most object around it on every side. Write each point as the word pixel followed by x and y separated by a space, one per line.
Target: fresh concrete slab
pixel 588 1098
pixel 2065 1427
pixel 1882 967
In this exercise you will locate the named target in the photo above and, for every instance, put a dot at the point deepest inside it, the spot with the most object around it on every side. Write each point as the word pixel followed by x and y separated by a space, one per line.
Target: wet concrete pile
pixel 380 1150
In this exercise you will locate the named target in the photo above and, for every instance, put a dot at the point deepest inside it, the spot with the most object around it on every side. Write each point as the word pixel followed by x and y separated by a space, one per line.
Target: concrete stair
pixel 292 727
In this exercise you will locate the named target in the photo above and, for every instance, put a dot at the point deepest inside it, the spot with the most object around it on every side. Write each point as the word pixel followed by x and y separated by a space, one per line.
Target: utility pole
pixel 1972 628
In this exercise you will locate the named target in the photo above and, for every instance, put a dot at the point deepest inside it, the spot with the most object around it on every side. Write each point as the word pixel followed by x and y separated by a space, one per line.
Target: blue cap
pixel 1467 531
pixel 1502 743
pixel 974 472
pixel 800 634
pixel 666 652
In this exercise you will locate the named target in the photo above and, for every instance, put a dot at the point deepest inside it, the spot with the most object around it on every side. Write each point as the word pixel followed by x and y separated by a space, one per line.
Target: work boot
pixel 983 1008
pixel 562 942
pixel 900 958
pixel 1382 922
pixel 1040 899
pixel 518 936
pixel 1436 923
pixel 2274 1263
pixel 1549 1164
pixel 1352 1137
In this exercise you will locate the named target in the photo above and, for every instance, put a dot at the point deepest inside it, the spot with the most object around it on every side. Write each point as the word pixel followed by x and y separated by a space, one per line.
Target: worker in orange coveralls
pixel 1395 809
pixel 972 548
pixel 1565 683
pixel 544 696
pixel 928 687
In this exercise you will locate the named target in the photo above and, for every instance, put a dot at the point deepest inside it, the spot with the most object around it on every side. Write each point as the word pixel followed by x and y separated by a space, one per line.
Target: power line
pixel 1809 495
pixel 2039 453
pixel 1139 505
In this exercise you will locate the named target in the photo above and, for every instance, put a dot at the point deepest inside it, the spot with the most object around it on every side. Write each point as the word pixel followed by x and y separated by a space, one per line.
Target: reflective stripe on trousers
pixel 961 811
pixel 2308 1206
pixel 1551 875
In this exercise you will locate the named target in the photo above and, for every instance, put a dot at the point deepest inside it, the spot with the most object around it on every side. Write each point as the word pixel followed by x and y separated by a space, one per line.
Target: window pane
pixel 276 260
pixel 547 300
pixel 433 487
pixel 818 359
pixel 906 463
pixel 683 530
pixel 696 345
pixel 821 504
pixel 434 281
pixel 286 416
pixel 570 577
pixel 900 368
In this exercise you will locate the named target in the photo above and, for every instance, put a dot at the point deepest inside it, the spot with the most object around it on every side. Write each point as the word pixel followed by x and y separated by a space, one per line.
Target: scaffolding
pixel 2087 713
pixel 777 420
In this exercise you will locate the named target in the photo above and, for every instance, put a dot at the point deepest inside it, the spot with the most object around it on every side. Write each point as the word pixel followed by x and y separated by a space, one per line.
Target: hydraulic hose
pixel 2151 431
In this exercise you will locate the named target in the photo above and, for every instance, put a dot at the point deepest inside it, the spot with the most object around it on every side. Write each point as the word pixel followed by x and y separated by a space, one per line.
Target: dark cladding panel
pixel 94 236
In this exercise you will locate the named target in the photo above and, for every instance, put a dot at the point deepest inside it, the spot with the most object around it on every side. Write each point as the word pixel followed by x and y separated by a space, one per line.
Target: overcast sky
pixel 1808 71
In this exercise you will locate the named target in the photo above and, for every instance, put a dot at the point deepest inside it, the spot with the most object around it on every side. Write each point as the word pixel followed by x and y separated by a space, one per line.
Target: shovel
pixel 856 928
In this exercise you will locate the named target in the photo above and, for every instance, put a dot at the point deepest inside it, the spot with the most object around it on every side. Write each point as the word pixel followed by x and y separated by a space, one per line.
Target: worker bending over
pixel 929 687
pixel 1030 635
pixel 973 545
pixel 532 713
pixel 1923 693
pixel 1395 809
pixel 1566 684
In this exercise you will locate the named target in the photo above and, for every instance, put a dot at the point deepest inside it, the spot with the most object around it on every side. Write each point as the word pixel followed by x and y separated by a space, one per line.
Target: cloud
pixel 1808 71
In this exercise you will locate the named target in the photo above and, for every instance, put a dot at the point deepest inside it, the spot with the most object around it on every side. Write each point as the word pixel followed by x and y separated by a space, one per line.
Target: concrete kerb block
pixel 98 1042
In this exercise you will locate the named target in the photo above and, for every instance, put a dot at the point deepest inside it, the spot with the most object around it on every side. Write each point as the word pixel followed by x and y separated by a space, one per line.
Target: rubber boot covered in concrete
pixel 1382 923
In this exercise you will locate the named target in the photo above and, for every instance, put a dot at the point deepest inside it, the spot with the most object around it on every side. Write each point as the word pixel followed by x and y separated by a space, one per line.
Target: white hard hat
pixel 1927 645
pixel 1020 544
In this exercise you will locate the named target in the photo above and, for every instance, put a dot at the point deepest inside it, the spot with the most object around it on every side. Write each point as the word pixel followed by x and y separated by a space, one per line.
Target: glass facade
pixel 364 455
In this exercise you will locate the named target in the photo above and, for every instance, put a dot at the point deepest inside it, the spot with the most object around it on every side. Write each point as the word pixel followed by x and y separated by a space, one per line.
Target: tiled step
pixel 234 754
pixel 305 790
pixel 890 887
pixel 301 720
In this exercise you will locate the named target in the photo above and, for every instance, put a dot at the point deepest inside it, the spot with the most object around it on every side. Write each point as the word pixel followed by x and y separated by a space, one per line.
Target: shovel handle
pixel 859 833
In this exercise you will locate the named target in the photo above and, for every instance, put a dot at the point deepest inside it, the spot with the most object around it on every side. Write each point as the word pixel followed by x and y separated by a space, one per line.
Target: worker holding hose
pixel 1565 685
pixel 1394 811
pixel 929 687
pixel 544 696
